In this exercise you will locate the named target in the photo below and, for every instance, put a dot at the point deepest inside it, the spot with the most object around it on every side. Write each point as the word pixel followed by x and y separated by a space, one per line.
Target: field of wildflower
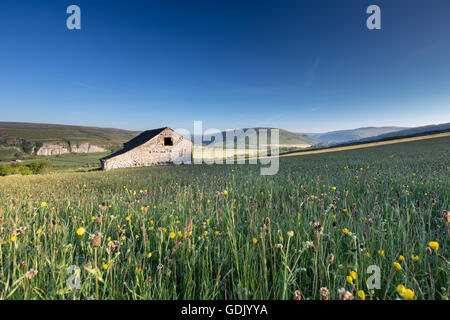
pixel 225 232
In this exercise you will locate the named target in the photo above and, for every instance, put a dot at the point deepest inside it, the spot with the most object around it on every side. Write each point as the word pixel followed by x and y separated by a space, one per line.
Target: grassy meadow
pixel 225 232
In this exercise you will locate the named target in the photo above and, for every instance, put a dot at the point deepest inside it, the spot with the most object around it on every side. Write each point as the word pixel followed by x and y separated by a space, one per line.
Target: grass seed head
pixel 31 274
pixel 331 258
pixel 446 216
pixel 188 229
pixel 345 295
pixel 96 239
pixel 324 293
pixel 298 295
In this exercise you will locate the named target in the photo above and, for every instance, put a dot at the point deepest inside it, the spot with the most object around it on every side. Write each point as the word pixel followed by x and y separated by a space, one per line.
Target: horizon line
pixel 290 130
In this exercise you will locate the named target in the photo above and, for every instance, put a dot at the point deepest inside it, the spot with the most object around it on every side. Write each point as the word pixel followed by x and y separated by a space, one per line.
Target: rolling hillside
pixel 27 140
pixel 24 140
pixel 354 134
pixel 18 140
pixel 286 138
pixel 417 131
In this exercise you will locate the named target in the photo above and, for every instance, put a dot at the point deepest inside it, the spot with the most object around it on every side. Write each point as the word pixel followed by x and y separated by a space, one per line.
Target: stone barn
pixel 151 147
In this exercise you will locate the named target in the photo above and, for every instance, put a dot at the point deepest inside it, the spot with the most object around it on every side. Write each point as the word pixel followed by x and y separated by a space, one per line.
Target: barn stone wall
pixel 153 152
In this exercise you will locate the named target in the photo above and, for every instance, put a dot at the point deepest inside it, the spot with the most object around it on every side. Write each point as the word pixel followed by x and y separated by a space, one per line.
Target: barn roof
pixel 142 138
pixel 136 141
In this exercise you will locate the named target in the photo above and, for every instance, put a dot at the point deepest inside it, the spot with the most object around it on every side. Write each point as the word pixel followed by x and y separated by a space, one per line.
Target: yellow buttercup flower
pixel 172 235
pixel 345 230
pixel 400 288
pixel 353 274
pixel 225 192
pixel 290 233
pixel 149 255
pixel 414 258
pixel 402 258
pixel 105 266
pixel 381 253
pixel 434 245
pixel 408 294
pixel 44 204
pixel 255 241
pixel 397 265
pixel 81 231
pixel 405 293
pixel 361 294
pixel 349 279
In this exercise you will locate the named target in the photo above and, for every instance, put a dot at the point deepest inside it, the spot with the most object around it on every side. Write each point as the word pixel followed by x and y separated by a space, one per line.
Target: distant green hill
pixel 354 134
pixel 18 139
pixel 286 138
pixel 411 132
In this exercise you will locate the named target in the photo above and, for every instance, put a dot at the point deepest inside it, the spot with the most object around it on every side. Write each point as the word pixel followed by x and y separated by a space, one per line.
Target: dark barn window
pixel 168 141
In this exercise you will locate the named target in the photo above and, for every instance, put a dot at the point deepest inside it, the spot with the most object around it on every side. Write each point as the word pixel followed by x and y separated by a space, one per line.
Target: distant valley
pixel 20 140
pixel 26 140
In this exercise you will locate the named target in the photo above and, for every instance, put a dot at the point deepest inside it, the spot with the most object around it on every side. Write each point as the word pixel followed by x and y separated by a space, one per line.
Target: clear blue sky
pixel 300 65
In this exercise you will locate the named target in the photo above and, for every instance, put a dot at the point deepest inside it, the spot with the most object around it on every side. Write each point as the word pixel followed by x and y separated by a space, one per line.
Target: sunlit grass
pixel 222 231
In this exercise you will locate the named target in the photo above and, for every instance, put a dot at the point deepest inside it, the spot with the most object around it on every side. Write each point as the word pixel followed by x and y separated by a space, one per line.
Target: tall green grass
pixel 252 236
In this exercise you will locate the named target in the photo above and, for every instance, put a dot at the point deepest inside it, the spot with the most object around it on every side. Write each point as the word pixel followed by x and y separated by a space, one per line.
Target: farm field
pixel 73 162
pixel 225 232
